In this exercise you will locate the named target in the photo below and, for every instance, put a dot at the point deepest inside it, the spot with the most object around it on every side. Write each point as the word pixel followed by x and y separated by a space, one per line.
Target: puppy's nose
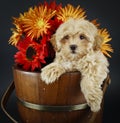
pixel 73 47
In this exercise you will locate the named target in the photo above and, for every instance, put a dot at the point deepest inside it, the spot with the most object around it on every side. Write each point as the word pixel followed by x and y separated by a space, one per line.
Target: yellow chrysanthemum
pixel 70 12
pixel 105 47
pixel 17 33
pixel 35 21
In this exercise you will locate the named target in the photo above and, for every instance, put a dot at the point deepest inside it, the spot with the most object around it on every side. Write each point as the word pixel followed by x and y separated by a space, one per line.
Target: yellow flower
pixel 17 33
pixel 35 21
pixel 70 12
pixel 105 47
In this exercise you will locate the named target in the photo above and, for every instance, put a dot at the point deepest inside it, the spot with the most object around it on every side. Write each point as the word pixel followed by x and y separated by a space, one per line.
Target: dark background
pixel 107 13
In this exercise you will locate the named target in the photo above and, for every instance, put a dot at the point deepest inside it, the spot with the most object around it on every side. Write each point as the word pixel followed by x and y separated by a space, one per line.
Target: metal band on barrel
pixel 53 108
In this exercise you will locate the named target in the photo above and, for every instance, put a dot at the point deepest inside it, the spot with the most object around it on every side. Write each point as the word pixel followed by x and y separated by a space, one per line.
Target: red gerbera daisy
pixel 31 55
pixel 53 5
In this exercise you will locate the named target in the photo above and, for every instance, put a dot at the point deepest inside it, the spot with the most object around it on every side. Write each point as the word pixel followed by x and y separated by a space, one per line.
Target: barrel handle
pixel 4 101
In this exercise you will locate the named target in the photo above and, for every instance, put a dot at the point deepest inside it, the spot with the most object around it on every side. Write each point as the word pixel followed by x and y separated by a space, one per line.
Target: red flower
pixel 53 5
pixel 31 54
pixel 55 24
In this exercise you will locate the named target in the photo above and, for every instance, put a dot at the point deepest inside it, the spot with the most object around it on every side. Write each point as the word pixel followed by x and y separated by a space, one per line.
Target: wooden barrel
pixel 65 91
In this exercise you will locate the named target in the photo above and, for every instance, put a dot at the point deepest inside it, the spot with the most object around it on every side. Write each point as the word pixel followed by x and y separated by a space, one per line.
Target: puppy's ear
pixel 53 42
pixel 98 42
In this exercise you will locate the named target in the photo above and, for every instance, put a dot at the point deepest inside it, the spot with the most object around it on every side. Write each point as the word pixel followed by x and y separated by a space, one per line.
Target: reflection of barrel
pixel 64 96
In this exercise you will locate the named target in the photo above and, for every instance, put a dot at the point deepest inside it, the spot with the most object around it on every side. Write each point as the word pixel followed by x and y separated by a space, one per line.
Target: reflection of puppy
pixel 77 45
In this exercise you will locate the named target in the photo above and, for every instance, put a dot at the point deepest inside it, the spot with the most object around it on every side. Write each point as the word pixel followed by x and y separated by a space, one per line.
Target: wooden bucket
pixel 59 102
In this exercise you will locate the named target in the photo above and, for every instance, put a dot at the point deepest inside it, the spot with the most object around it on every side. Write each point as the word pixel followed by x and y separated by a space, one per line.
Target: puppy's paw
pixel 51 73
pixel 94 100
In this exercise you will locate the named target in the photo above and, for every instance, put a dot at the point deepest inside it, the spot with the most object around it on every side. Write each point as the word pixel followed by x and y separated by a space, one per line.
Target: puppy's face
pixel 75 38
pixel 74 45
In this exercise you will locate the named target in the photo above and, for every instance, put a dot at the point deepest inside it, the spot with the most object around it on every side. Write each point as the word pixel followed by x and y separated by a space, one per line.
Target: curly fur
pixel 77 46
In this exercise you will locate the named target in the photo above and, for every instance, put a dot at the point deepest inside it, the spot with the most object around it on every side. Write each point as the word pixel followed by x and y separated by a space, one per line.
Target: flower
pixel 17 31
pixel 35 24
pixel 95 23
pixel 30 54
pixel 53 6
pixel 70 12
pixel 105 47
pixel 16 36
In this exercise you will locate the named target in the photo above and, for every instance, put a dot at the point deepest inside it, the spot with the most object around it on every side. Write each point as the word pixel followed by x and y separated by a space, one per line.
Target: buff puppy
pixel 77 45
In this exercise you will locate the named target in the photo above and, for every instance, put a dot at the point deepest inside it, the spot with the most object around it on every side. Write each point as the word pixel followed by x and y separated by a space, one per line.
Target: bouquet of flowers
pixel 33 31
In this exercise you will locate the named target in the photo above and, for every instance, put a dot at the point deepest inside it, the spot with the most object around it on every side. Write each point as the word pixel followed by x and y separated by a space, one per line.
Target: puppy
pixel 77 45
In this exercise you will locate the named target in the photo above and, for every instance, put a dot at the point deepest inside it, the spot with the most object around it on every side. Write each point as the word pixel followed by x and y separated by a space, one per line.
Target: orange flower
pixel 18 30
pixel 70 12
pixel 15 36
pixel 95 23
pixel 105 47
pixel 35 23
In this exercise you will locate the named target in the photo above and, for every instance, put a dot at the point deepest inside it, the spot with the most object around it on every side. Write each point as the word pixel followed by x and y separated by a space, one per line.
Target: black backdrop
pixel 107 13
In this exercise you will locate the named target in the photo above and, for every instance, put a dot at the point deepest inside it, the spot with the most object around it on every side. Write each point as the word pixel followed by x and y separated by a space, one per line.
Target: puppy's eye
pixel 82 37
pixel 66 37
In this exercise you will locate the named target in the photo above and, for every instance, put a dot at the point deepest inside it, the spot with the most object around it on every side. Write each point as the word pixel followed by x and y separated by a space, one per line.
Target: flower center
pixel 40 23
pixel 30 53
